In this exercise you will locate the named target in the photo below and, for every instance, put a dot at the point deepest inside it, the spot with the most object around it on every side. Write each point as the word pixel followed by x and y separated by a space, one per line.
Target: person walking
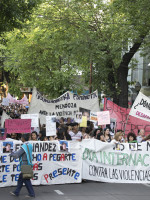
pixel 25 157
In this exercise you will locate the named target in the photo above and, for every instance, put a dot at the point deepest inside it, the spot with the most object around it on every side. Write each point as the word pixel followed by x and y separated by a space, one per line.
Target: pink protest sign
pixel 18 125
pixel 103 117
pixel 124 121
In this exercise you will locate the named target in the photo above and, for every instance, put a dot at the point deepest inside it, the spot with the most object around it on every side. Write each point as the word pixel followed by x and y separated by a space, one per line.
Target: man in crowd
pixel 75 133
pixel 24 154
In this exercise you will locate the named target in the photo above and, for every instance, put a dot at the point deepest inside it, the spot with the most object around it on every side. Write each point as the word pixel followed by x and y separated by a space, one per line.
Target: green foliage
pixel 66 36
pixel 15 12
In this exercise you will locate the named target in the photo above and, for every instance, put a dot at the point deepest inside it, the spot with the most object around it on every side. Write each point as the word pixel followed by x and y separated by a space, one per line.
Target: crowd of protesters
pixel 69 130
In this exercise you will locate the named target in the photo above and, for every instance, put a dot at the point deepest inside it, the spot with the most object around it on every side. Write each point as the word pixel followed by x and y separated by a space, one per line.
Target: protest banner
pixel 18 125
pixel 103 117
pixel 141 107
pixel 54 163
pixel 5 102
pixel 64 106
pixel 50 165
pixel 50 125
pixel 23 101
pixel 34 119
pixel 116 163
pixel 123 120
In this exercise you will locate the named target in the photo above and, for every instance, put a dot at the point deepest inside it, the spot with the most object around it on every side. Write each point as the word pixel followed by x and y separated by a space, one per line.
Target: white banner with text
pixel 116 163
pixel 65 106
pixel 56 162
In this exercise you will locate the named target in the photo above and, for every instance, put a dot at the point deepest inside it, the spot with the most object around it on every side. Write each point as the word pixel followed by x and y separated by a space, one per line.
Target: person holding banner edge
pixel 24 154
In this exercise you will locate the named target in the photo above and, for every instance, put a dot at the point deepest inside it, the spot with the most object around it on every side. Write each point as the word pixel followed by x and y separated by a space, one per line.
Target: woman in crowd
pixel 117 138
pixel 96 132
pixel 46 138
pixel 107 135
pixel 100 137
pixel 41 136
pixel 34 136
pixel 131 138
pixel 63 133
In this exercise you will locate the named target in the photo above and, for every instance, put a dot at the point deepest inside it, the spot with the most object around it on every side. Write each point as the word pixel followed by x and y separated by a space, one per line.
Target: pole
pixel 126 124
pixel 90 88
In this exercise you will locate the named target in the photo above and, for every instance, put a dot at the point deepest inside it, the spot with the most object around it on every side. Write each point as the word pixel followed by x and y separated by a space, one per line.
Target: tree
pixel 78 33
pixel 13 14
pixel 38 58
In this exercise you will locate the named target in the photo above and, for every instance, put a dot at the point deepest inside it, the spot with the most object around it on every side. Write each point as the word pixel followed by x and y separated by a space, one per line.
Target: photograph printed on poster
pixel 78 117
pixel 117 147
pixel 85 112
pixel 133 146
pixel 7 147
pixel 63 145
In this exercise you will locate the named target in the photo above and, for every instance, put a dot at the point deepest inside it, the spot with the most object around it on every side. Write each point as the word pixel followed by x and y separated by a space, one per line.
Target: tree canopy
pixel 14 12
pixel 65 37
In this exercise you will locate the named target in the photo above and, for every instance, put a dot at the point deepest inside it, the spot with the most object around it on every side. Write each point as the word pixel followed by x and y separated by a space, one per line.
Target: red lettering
pixel 45 156
pixel 46 177
pixel 62 158
pixel 35 166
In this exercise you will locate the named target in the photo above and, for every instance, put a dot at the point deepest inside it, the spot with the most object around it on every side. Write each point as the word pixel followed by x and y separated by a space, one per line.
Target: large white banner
pixel 120 163
pixel 64 106
pixel 141 107
pixel 61 162
pixel 54 163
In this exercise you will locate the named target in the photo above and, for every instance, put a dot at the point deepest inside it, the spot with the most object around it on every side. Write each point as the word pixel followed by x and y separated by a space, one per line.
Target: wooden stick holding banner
pixel 126 123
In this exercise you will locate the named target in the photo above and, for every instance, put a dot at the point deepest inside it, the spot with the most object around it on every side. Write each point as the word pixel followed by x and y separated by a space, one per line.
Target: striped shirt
pixel 75 136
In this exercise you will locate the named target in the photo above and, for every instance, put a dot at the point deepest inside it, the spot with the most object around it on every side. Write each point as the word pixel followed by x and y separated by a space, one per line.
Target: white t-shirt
pixel 75 136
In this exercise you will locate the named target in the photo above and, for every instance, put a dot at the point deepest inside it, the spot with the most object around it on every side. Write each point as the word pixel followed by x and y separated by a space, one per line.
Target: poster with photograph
pixel 85 112
pixel 78 117
pixel 63 146
pixel 133 146
pixel 113 125
pixel 117 147
pixel 50 125
pixel 7 147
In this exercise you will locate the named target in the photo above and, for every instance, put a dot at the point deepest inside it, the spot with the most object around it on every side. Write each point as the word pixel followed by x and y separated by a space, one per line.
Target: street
pixel 85 191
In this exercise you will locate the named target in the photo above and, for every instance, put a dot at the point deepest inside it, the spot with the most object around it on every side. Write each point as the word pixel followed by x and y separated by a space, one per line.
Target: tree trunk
pixel 123 73
pixel 123 85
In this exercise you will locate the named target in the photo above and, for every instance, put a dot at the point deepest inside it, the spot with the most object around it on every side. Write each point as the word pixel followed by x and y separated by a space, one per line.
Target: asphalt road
pixel 85 191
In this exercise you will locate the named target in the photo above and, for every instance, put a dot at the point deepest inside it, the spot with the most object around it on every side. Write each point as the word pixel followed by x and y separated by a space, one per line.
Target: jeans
pixel 28 185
